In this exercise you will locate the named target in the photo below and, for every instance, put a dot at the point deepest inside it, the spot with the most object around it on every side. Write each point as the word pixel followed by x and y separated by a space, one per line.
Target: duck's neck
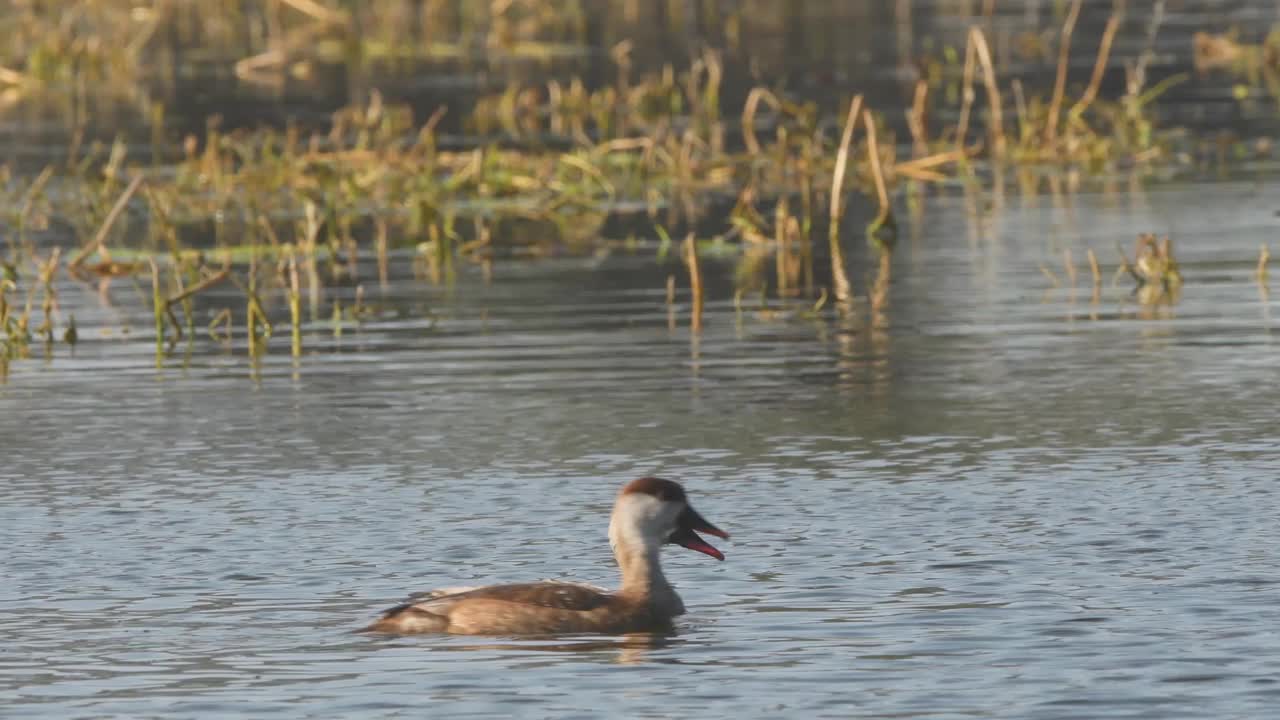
pixel 642 577
pixel 641 570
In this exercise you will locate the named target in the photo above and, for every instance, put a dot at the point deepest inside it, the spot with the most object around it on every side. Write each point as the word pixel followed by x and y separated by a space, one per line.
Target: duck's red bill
pixel 684 536
pixel 690 539
pixel 690 520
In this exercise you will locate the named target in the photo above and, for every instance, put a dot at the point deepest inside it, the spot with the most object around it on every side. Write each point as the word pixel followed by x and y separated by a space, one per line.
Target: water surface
pixel 999 500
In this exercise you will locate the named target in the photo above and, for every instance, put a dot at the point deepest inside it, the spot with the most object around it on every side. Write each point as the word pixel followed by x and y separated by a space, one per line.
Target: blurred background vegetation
pixel 283 147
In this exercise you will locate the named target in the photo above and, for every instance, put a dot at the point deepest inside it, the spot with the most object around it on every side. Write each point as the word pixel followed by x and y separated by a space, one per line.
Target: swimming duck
pixel 649 513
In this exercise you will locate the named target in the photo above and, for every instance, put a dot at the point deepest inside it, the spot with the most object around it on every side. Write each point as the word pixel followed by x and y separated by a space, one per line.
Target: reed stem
pixel 158 308
pixel 695 282
pixel 100 237
pixel 839 275
pixel 1060 81
pixel 295 308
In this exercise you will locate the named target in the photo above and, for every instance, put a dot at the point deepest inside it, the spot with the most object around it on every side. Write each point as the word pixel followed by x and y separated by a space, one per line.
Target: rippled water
pixel 1002 502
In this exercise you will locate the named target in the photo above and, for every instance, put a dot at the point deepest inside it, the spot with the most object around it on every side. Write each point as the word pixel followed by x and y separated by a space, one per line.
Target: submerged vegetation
pixel 549 160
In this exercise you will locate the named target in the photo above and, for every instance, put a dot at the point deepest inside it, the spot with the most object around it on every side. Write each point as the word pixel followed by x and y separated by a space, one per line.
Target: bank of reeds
pixel 283 214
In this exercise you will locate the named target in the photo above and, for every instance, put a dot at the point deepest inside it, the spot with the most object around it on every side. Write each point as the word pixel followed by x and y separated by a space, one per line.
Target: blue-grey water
pixel 1000 499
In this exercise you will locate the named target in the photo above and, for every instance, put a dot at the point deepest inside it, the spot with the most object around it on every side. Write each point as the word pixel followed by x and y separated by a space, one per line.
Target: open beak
pixel 685 535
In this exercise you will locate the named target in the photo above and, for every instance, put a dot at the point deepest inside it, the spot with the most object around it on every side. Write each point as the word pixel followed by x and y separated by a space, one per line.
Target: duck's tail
pixel 408 619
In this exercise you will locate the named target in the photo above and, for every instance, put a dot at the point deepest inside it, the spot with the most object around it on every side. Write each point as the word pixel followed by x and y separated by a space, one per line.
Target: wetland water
pixel 1003 503
pixel 999 499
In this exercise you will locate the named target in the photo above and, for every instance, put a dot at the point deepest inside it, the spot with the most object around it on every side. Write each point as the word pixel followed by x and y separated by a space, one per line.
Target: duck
pixel 648 513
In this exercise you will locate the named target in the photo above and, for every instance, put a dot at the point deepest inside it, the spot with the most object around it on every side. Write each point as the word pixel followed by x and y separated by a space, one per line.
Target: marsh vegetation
pixel 560 126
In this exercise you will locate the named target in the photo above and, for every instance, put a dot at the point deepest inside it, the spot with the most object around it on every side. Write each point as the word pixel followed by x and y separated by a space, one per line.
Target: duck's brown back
pixel 544 608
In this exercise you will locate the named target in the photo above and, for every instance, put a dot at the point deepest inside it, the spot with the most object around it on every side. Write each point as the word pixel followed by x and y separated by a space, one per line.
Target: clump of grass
pixel 15 324
pixel 1254 65
pixel 1088 131
pixel 1154 269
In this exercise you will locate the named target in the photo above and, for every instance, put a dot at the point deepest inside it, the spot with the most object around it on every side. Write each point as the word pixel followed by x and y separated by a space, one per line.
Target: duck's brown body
pixel 649 513
pixel 547 608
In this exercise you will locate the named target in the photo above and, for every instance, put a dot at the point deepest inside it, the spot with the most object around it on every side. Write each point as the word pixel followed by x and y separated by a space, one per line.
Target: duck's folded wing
pixel 549 594
pixel 440 592
pixel 436 611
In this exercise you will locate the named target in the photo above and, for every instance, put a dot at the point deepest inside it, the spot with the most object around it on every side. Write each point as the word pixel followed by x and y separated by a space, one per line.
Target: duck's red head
pixel 661 507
